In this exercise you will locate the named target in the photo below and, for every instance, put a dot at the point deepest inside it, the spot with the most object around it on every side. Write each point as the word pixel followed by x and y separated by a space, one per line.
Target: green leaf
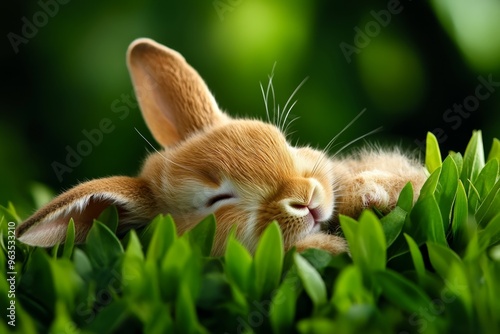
pixel 316 326
pixel 164 234
pixel 103 247
pixel 10 213
pixel 318 258
pixel 459 161
pixel 134 247
pixel 370 249
pixel 202 235
pixel 62 322
pixel 430 185
pixel 160 321
pixel 473 161
pixel 446 190
pixel 82 263
pixel 239 299
pixel 311 280
pixel 238 263
pixel 402 292
pixel 109 318
pixel 416 255
pixel 393 223
pixel 109 217
pixel 441 258
pixel 55 250
pixel 283 305
pixel 490 235
pixel 350 229
pixel 139 284
pixel 426 223
pixel 490 206
pixel 175 269
pixel 460 213
pixel 349 290
pixel 487 178
pixel 268 261
pixel 38 280
pixel 495 150
pixel 70 240
pixel 488 291
pixel 66 289
pixel 432 153
pixel 405 200
pixel 451 269
pixel 186 319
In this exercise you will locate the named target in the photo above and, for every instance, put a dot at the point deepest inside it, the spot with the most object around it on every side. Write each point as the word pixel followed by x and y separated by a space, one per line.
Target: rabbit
pixel 241 170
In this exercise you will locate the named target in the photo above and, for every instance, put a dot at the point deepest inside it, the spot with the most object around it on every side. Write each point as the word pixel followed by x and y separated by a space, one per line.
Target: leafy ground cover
pixel 428 267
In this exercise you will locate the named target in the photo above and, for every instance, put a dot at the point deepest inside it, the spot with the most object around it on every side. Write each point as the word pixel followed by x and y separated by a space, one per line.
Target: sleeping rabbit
pixel 243 171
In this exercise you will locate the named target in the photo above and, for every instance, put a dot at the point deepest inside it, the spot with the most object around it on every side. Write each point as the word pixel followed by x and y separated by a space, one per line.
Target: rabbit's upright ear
pixel 133 197
pixel 174 99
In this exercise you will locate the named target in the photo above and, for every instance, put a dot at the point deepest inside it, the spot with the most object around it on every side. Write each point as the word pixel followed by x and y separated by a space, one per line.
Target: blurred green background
pixel 408 63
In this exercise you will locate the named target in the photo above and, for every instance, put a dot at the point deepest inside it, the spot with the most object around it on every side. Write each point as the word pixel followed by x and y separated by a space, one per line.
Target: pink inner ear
pixel 52 229
pixel 91 211
pixel 84 203
pixel 45 235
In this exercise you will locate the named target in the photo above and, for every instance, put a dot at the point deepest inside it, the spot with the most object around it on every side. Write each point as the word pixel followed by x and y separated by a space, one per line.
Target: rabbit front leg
pixel 327 242
pixel 374 179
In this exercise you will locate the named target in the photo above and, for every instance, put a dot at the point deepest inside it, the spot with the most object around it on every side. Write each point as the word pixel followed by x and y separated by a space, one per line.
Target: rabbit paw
pixel 327 242
pixel 372 190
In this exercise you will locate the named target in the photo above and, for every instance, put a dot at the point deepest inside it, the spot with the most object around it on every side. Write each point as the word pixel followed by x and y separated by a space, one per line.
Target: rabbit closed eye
pixel 243 171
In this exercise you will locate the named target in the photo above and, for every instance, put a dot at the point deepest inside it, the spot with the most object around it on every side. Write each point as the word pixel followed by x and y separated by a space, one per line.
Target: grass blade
pixel 473 161
pixel 70 240
pixel 495 150
pixel 202 235
pixel 416 255
pixel 401 292
pixel 311 280
pixel 268 261
pixel 432 153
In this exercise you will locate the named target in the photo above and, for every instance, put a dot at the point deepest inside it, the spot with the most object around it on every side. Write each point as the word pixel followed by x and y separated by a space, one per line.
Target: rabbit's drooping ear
pixel 84 203
pixel 174 99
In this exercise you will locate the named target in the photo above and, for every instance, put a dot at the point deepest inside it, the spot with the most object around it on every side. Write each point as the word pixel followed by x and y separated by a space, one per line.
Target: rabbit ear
pixel 84 203
pixel 174 99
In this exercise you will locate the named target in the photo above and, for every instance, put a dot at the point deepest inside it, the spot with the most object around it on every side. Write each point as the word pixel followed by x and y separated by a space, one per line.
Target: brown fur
pixel 243 171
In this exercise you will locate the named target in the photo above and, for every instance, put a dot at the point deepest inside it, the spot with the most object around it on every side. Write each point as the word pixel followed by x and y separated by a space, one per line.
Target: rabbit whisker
pixel 357 139
pixel 352 142
pixel 282 122
pixel 265 96
pixel 332 141
pixel 285 131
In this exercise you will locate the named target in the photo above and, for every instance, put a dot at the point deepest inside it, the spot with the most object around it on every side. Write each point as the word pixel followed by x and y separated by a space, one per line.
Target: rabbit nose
pixel 308 203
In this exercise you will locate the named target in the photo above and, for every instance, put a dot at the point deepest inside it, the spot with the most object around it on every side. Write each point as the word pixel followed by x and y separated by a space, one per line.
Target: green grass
pixel 432 267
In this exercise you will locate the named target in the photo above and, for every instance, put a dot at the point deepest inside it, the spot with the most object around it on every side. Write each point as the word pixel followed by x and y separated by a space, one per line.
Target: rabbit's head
pixel 243 171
